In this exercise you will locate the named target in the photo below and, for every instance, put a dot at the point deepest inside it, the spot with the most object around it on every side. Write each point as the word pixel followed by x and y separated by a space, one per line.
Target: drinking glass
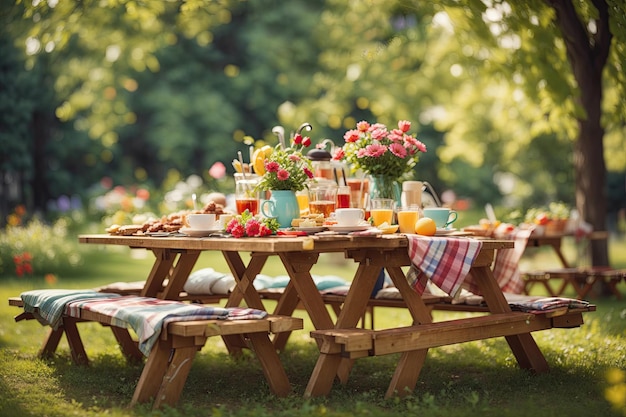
pixel 381 210
pixel 323 199
pixel 247 197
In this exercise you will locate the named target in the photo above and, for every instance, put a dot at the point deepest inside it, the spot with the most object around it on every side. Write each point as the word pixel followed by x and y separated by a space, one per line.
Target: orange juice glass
pixel 303 201
pixel 407 219
pixel 381 210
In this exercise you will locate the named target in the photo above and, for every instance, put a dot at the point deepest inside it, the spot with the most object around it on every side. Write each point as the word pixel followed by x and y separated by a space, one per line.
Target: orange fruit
pixel 425 226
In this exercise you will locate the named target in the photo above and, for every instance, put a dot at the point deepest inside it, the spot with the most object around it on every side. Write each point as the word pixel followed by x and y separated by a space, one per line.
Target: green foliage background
pixel 140 91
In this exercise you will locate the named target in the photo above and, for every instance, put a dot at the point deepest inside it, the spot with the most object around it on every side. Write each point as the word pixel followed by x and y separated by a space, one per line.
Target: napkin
pixel 445 261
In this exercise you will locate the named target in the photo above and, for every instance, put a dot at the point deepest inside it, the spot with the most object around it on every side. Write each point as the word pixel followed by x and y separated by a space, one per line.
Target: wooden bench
pixel 170 360
pixel 356 343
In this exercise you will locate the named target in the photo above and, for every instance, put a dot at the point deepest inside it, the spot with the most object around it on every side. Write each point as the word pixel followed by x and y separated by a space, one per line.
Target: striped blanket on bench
pixel 146 316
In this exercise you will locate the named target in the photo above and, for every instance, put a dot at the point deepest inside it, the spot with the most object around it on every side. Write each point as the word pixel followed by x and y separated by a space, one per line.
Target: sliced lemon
pixel 258 162
pixel 237 165
pixel 258 159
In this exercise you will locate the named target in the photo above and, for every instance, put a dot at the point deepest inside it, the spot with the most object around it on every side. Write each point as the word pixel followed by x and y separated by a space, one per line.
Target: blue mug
pixel 442 216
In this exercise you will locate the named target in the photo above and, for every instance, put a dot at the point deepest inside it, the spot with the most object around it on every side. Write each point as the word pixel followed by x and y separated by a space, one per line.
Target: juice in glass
pixel 325 207
pixel 250 204
pixel 407 219
pixel 380 216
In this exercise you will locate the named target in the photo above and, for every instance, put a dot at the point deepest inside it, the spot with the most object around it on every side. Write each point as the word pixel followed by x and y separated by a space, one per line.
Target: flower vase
pixel 382 186
pixel 282 205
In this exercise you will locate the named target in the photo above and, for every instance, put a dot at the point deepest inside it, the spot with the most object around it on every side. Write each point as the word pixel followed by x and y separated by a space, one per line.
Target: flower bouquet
pixel 378 151
pixel 286 168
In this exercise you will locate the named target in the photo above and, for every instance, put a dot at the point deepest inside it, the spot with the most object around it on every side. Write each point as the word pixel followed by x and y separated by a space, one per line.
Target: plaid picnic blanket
pixel 48 306
pixel 547 304
pixel 506 266
pixel 445 261
pixel 147 316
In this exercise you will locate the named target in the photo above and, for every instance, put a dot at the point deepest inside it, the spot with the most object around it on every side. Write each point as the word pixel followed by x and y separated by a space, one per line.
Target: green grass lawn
pixel 588 365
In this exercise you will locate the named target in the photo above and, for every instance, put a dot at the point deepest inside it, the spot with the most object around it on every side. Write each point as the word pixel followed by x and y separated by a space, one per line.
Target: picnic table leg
pixel 368 271
pixel 522 345
pixel 175 376
pixel 244 290
pixel 286 305
pixel 160 270
pixel 323 375
pixel 152 374
pixel 129 347
pixel 51 342
pixel 77 349
pixel 270 363
pixel 183 267
pixel 406 374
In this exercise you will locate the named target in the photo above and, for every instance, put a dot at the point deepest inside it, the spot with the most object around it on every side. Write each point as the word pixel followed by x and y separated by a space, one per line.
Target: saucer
pixel 347 229
pixel 198 232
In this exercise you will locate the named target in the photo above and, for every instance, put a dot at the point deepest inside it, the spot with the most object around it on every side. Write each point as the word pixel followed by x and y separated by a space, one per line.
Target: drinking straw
pixel 243 171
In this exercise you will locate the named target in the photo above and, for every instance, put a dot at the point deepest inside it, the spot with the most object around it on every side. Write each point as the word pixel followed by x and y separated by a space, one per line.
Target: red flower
pixel 252 227
pixel 297 139
pixel 308 172
pixel 238 230
pixel 404 125
pixel 282 174
pixel 351 136
pixel 271 166
pixel 306 142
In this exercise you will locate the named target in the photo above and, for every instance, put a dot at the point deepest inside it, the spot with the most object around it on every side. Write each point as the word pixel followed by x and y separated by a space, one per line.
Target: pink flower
pixel 271 166
pixel 363 126
pixel 282 174
pixel 375 150
pixel 294 158
pixel 339 154
pixel 264 230
pixel 252 227
pixel 238 230
pixel 404 125
pixel 231 224
pixel 379 133
pixel 376 126
pixel 396 135
pixel 351 136
pixel 398 150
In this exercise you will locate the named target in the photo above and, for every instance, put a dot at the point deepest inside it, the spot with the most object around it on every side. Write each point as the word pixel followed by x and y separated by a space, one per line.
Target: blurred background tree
pixel 141 92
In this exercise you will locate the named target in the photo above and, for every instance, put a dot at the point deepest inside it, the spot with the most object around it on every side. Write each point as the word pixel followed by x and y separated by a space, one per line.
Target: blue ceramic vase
pixel 283 205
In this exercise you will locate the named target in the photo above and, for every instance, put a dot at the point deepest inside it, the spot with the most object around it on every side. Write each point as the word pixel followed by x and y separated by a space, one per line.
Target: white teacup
pixel 347 217
pixel 201 221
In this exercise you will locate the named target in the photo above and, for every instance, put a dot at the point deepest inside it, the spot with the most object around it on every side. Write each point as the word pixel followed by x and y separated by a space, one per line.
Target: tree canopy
pixel 135 89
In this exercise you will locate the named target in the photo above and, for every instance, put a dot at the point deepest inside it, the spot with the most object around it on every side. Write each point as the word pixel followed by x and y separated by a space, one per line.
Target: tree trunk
pixel 587 53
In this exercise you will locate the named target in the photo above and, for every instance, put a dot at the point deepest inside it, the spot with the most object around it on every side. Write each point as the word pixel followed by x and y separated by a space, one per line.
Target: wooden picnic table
pixel 581 279
pixel 176 256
